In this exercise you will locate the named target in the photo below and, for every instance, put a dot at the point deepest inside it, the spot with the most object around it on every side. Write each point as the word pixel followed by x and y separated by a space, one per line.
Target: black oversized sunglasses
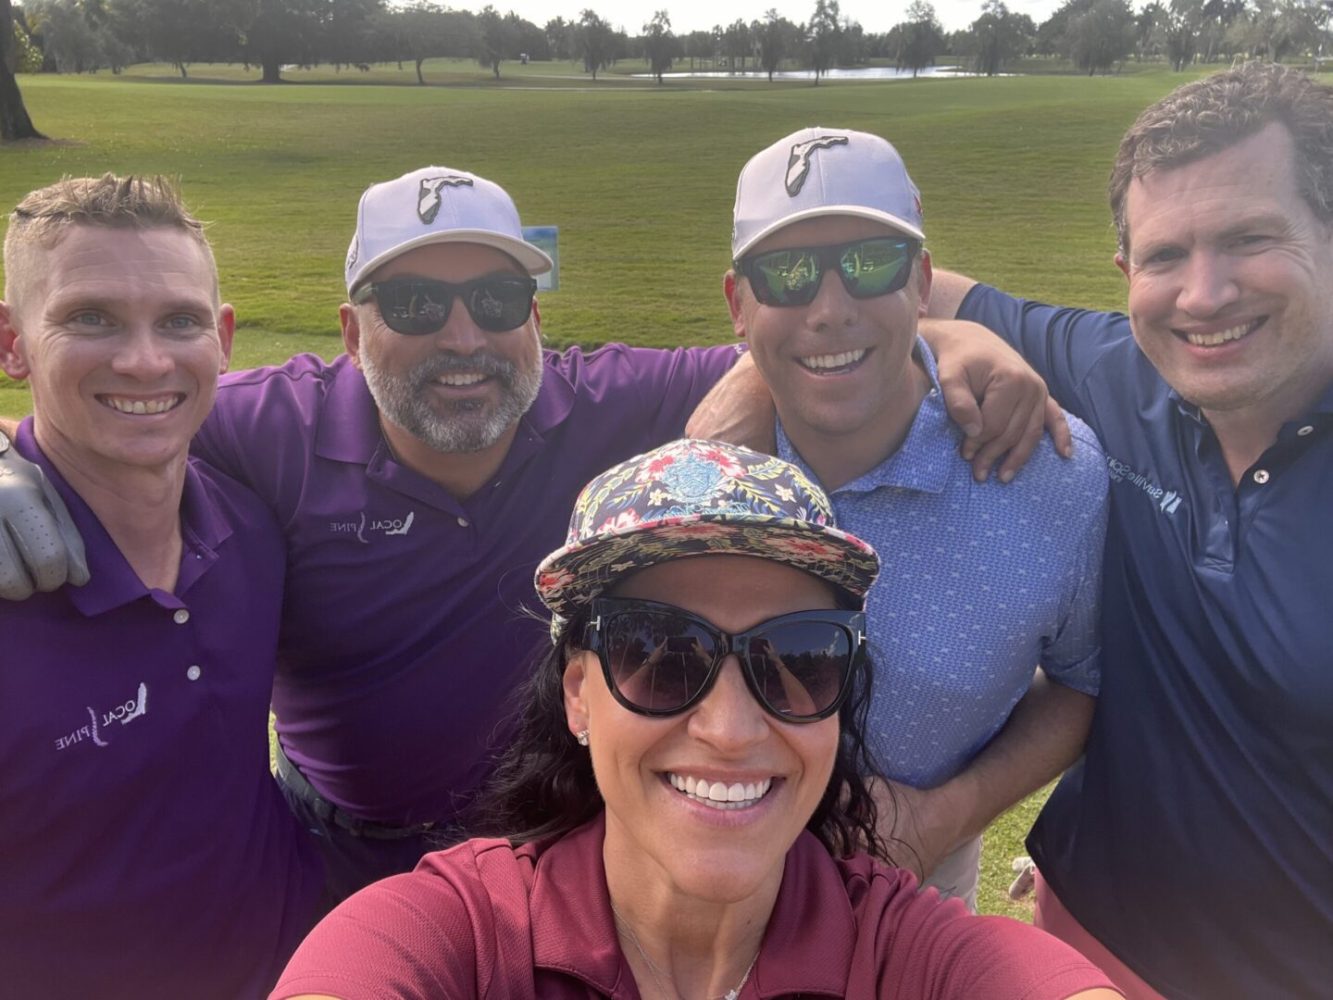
pixel 661 660
pixel 420 306
pixel 868 269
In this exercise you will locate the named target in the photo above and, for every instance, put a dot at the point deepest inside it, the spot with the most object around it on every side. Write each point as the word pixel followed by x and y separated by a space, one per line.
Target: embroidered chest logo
pixel 364 527
pixel 428 195
pixel 1168 501
pixel 798 163
pixel 95 731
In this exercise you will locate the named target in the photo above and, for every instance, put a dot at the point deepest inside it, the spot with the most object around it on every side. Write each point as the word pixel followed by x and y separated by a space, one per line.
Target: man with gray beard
pixel 419 478
pixel 470 426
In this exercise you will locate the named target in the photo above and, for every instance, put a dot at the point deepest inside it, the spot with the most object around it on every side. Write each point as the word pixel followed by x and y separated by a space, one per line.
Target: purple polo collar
pixel 807 947
pixel 113 582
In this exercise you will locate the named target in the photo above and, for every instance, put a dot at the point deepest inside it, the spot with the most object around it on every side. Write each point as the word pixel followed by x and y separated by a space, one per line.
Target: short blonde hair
pixel 42 218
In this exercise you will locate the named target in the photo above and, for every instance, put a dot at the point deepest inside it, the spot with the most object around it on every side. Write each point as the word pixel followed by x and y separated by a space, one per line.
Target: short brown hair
pixel 41 219
pixel 1212 114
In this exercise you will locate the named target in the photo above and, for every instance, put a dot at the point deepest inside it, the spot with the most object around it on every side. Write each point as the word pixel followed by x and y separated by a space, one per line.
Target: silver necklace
pixel 661 979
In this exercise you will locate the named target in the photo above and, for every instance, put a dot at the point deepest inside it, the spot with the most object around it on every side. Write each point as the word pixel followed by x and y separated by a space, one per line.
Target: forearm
pixel 947 291
pixel 1044 735
pixel 739 409
pixel 9 426
pixel 993 395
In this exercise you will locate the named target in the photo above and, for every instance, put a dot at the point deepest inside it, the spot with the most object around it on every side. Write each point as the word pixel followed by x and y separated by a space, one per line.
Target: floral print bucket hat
pixel 691 498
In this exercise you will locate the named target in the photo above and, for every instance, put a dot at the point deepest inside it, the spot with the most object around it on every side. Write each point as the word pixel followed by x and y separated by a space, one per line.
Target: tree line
pixel 80 36
pixel 75 36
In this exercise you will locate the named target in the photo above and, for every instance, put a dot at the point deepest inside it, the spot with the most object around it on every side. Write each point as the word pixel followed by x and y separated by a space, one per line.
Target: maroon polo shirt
pixel 145 850
pixel 484 919
pixel 409 620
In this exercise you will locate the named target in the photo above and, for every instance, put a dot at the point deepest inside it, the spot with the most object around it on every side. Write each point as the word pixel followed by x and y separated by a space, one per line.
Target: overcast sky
pixel 875 16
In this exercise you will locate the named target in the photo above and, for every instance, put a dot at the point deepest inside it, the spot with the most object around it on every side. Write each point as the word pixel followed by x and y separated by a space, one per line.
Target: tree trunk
pixel 272 66
pixel 420 79
pixel 181 66
pixel 14 120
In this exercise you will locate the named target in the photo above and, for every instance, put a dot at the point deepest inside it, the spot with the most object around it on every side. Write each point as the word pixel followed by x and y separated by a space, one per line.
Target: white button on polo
pixel 181 616
pixel 1261 476
pixel 1304 431
pixel 462 522
pixel 194 672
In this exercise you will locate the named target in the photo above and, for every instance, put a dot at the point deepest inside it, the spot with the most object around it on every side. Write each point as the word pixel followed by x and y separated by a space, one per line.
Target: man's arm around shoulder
pixel 40 548
pixel 947 291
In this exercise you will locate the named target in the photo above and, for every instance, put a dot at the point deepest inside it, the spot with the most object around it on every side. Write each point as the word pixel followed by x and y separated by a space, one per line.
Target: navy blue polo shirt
pixel 1195 839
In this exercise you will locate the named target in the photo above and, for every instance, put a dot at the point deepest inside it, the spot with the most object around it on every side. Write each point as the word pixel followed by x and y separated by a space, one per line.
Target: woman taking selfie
pixel 685 804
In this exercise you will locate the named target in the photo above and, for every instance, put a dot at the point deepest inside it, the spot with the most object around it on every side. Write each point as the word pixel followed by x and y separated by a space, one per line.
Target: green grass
pixel 1002 843
pixel 639 178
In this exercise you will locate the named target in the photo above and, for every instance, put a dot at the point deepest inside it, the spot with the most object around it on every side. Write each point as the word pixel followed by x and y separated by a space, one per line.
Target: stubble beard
pixel 467 425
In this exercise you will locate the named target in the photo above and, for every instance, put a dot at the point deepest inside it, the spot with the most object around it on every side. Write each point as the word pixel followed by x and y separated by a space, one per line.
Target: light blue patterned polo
pixel 980 583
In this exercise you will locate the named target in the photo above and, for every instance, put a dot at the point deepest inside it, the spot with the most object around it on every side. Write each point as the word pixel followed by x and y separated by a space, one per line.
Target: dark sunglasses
pixel 420 306
pixel 661 660
pixel 868 269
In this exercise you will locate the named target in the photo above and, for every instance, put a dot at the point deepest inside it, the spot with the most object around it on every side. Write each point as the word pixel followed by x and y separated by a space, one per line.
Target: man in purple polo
pixel 145 849
pixel 418 480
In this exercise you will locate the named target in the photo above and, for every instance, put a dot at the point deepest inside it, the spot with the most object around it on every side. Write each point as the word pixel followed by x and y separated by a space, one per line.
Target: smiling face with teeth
pixel 122 340
pixel 705 804
pixel 1231 282
pixel 461 389
pixel 841 370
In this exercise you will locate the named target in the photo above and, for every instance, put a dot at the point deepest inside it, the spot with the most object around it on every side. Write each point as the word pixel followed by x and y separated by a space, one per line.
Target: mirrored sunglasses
pixel 868 269
pixel 420 306
pixel 661 660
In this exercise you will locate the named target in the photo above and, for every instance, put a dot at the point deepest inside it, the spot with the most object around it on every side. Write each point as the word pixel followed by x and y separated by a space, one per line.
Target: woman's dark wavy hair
pixel 544 785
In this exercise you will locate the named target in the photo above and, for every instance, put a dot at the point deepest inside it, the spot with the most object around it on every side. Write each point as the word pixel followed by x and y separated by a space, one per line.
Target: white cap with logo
pixel 823 171
pixel 436 205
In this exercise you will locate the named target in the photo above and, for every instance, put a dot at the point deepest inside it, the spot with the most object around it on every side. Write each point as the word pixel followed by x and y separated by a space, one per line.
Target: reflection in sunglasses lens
pixel 659 662
pixel 662 662
pixel 867 268
pixel 419 306
pixel 799 666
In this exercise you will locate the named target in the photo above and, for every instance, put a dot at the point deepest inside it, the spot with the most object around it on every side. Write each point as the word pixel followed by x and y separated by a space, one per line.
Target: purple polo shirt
pixel 145 849
pixel 408 622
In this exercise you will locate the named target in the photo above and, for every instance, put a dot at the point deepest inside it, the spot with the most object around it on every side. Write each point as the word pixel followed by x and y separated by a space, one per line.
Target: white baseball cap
pixel 436 205
pixel 823 171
